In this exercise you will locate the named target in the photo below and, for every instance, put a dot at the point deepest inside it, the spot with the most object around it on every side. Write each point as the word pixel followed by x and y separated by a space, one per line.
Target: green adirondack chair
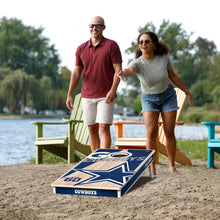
pixel 71 147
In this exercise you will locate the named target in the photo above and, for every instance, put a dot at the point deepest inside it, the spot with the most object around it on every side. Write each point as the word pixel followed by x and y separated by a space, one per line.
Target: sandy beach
pixel 26 193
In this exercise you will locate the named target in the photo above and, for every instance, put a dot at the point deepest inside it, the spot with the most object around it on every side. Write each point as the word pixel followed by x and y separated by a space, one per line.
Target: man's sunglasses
pixel 145 41
pixel 96 25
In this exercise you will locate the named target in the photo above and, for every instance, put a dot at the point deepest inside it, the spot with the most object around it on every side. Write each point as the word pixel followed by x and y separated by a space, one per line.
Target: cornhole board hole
pixel 105 172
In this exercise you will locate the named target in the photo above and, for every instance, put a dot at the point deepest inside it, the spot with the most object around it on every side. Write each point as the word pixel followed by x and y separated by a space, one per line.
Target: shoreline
pixel 130 118
pixel 31 116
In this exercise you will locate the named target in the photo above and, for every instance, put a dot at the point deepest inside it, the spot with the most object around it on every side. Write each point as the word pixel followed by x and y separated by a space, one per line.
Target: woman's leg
pixel 169 119
pixel 151 122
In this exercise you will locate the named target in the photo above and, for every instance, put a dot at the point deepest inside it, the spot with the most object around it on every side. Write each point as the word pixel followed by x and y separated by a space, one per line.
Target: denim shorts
pixel 162 102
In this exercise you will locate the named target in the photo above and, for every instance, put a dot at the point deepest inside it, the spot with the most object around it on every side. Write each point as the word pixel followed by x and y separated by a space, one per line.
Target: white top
pixel 153 74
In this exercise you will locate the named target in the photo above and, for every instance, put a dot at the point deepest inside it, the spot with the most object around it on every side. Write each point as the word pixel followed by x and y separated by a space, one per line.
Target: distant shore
pixel 117 118
pixel 31 116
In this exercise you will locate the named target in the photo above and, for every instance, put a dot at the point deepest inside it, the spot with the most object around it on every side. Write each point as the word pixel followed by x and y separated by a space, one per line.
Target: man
pixel 100 60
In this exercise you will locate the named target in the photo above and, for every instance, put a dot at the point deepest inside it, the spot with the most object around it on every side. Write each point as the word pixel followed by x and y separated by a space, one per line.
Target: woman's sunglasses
pixel 145 41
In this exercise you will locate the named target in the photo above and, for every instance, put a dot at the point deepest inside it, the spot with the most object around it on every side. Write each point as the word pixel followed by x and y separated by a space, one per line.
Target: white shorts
pixel 95 110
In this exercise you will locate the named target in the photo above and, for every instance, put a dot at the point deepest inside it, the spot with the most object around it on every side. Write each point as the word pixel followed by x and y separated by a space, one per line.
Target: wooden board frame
pixel 106 172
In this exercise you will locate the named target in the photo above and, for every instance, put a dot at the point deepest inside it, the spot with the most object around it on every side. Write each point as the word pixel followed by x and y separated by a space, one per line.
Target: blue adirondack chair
pixel 213 143
pixel 70 147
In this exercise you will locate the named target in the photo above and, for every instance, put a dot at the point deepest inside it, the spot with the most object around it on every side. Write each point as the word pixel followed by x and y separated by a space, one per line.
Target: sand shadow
pixel 140 182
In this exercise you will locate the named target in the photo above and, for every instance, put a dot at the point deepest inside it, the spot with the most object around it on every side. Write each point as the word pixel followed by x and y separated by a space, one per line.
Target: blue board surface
pixel 106 172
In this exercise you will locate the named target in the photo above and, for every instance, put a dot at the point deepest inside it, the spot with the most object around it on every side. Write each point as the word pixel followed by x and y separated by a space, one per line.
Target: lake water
pixel 17 137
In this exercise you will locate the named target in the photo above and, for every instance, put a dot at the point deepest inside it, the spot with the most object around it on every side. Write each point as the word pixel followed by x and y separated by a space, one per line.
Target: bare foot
pixel 174 170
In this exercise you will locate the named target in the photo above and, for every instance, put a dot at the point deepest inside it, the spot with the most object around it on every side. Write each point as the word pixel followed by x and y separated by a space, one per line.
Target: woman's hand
pixel 121 75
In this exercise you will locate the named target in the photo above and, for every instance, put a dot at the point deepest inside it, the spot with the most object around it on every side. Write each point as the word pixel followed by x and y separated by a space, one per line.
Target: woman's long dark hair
pixel 160 47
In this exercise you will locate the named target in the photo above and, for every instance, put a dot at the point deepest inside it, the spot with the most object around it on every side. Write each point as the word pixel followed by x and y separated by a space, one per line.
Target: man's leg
pixel 89 117
pixel 105 136
pixel 105 118
pixel 94 140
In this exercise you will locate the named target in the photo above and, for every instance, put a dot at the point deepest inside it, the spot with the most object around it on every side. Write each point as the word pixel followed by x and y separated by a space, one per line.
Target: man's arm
pixel 111 95
pixel 73 83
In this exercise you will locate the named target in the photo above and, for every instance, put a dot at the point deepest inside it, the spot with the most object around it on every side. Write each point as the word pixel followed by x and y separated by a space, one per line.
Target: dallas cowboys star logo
pixel 117 175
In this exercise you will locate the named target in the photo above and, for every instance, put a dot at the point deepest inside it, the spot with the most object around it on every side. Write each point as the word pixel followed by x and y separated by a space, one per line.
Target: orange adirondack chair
pixel 140 143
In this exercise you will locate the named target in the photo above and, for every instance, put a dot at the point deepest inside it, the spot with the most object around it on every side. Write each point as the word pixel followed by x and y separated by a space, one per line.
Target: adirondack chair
pixel 213 143
pixel 140 143
pixel 70 147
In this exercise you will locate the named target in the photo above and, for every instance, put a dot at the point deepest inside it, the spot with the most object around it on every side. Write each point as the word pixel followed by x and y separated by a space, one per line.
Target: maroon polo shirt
pixel 97 62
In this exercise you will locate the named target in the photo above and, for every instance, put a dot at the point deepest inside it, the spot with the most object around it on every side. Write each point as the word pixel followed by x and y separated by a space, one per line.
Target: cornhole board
pixel 105 172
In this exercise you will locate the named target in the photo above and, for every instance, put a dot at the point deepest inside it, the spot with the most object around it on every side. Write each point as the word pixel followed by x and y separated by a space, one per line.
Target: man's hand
pixel 110 97
pixel 69 103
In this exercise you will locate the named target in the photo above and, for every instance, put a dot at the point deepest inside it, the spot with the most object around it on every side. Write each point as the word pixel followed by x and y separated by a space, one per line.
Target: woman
pixel 154 70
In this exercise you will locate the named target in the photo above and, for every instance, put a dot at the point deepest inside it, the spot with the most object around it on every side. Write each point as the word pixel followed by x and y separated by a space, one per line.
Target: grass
pixel 194 149
pixel 49 158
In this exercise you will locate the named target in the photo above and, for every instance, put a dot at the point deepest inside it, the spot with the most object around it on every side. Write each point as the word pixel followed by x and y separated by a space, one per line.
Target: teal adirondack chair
pixel 70 147
pixel 213 143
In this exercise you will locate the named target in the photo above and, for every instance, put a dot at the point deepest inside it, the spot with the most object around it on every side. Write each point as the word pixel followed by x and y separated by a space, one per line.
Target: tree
pixel 137 104
pixel 46 95
pixel 184 68
pixel 204 49
pixel 176 37
pixel 62 87
pixel 14 90
pixel 214 69
pixel 24 47
pixel 201 92
pixel 204 52
pixel 216 97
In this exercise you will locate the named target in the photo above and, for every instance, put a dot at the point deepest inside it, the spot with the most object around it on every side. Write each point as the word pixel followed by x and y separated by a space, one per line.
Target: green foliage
pixel 214 69
pixel 184 67
pixel 201 92
pixel 14 89
pixel 29 69
pixel 216 96
pixel 199 114
pixel 120 101
pixel 24 47
pixel 137 104
pixel 47 95
pixel 176 37
pixel 204 49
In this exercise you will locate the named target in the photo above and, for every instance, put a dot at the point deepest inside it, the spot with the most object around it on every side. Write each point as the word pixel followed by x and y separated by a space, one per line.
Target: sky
pixel 65 22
